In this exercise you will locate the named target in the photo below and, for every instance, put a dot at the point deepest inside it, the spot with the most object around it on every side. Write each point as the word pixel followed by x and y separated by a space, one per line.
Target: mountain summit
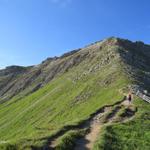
pixel 25 80
pixel 58 99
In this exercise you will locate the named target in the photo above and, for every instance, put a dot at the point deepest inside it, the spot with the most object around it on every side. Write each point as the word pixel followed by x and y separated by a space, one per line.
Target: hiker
pixel 129 97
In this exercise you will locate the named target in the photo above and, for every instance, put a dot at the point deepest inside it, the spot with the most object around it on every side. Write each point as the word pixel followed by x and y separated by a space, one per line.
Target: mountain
pixel 25 80
pixel 56 98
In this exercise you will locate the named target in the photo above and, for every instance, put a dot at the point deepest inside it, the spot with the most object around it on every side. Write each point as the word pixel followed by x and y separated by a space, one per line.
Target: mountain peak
pixel 112 50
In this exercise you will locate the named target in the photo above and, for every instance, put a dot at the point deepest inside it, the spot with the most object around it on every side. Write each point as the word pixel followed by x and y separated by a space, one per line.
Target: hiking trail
pixel 105 115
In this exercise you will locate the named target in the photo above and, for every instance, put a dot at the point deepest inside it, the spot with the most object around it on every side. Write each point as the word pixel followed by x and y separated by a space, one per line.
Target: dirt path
pixel 53 144
pixel 105 115
pixel 92 136
pixel 126 103
pixel 88 141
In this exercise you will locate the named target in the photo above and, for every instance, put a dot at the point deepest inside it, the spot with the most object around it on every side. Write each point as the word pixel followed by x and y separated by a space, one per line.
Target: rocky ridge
pixel 25 80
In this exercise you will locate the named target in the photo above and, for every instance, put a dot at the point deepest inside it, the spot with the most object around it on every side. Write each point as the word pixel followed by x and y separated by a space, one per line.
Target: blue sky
pixel 32 30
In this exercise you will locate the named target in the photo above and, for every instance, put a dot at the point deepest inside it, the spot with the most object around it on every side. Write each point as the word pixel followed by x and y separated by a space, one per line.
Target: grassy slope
pixel 133 135
pixel 62 102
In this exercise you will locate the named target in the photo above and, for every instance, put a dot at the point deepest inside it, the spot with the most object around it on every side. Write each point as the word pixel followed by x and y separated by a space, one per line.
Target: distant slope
pixel 23 81
pixel 40 100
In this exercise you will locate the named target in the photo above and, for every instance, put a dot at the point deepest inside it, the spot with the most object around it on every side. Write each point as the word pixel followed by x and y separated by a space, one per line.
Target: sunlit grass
pixel 67 100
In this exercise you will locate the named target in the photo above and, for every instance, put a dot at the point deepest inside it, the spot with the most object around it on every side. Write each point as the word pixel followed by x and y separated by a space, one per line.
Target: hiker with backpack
pixel 130 97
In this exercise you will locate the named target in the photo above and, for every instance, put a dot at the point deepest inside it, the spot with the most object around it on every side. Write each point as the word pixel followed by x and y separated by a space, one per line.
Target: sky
pixel 32 30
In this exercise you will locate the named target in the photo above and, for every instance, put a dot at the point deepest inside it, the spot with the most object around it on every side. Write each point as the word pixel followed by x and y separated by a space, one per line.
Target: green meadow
pixel 30 121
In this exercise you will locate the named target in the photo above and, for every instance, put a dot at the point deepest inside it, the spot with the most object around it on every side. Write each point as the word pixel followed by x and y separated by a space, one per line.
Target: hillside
pixel 38 103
